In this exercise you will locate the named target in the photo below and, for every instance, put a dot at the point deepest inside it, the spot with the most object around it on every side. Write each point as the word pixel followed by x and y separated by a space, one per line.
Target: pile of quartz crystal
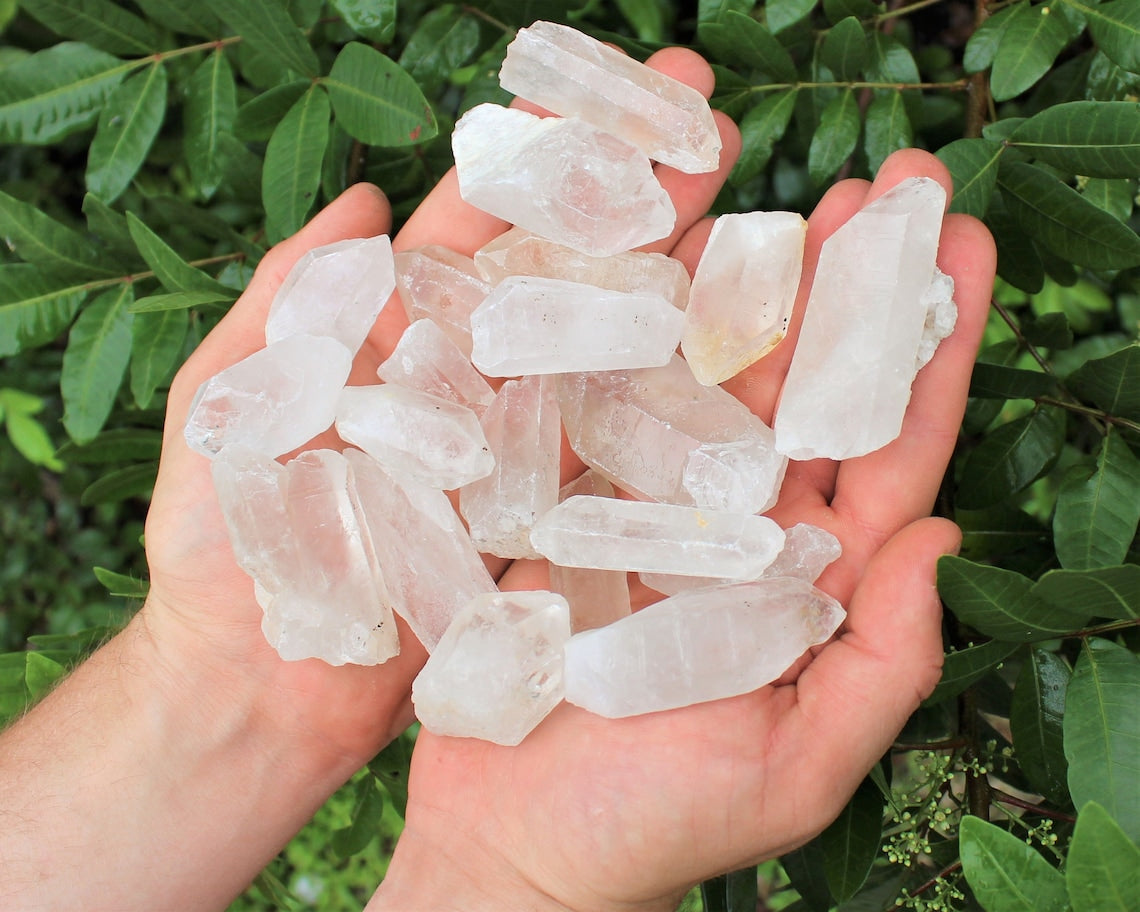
pixel 559 329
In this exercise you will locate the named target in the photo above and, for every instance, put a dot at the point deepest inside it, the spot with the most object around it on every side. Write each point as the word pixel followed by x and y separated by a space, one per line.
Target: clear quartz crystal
pixel 661 435
pixel 698 646
pixel 425 359
pixel 518 252
pixel 742 293
pixel 497 672
pixel 572 74
pixel 849 381
pixel 337 290
pixel 272 401
pixel 443 286
pixel 610 534
pixel 561 178
pixel 551 326
pixel 522 428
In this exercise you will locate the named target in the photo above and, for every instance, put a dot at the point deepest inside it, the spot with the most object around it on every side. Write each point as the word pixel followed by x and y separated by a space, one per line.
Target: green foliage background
pixel 151 150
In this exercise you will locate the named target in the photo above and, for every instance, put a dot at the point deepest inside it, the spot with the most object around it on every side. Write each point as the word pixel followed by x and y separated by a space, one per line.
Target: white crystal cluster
pixel 584 329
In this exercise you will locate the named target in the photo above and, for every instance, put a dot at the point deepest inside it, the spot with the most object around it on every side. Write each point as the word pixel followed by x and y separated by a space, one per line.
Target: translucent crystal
pixel 661 435
pixel 518 252
pixel 742 293
pixel 523 431
pixel 573 74
pixel 443 286
pixel 698 646
pixel 610 534
pixel 431 440
pixel 849 381
pixel 425 359
pixel 941 316
pixel 561 178
pixel 497 672
pixel 273 401
pixel 550 326
pixel 337 290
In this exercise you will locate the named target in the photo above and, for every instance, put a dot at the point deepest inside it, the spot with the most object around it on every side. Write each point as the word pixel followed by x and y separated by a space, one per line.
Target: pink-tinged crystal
pixel 443 286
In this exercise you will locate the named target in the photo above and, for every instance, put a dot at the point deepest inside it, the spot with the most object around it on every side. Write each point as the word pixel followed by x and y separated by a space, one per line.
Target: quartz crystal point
pixel 425 359
pixel 433 441
pixel 443 286
pixel 698 646
pixel 561 178
pixel 661 435
pixel 273 401
pixel 523 430
pixel 849 381
pixel 610 534
pixel 550 326
pixel 742 293
pixel 429 565
pixel 337 290
pixel 518 252
pixel 575 75
pixel 298 531
pixel 497 672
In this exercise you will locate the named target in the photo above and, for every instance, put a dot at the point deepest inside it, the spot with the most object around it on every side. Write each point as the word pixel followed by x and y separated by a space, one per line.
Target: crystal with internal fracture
pixel 561 178
pixel 443 286
pixel 698 646
pixel 425 359
pixel 849 381
pixel 742 293
pixel 497 672
pixel 572 74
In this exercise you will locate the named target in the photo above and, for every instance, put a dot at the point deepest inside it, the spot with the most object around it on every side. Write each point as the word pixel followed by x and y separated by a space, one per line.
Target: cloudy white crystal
pixel 425 359
pixel 441 285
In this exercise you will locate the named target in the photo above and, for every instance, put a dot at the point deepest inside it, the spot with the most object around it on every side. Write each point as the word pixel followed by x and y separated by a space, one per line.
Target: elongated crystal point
pixel 743 292
pixel 561 178
pixel 575 75
pixel 425 359
pixel 441 285
pixel 698 646
pixel 849 382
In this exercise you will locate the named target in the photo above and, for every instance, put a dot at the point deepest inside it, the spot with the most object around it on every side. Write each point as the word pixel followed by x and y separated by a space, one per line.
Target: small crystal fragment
pixel 742 293
pixel 610 534
pixel 497 672
pixel 698 646
pixel 941 316
pixel 443 286
pixel 273 401
pixel 337 290
pixel 574 75
pixel 425 359
pixel 550 326
pixel 433 441
pixel 560 178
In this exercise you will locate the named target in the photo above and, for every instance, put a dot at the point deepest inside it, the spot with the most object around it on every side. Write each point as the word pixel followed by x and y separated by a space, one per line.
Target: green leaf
pixel 887 128
pixel 372 19
pixel 851 843
pixel 646 18
pixel 180 300
pixel 179 16
pixel 805 870
pixel 368 805
pixel 844 49
pixel 1050 330
pixel 127 128
pixel 835 137
pixel 56 92
pixel 1098 511
pixel 740 39
pixel 257 118
pixel 982 46
pixel 524 12
pixel 1102 872
pixel 837 10
pixel 34 308
pixel 292 173
pixel 1113 196
pixel 1093 138
pixel 172 271
pixel 1035 719
pixel 266 26
pixel 40 239
pixel 996 381
pixel 1064 222
pixel 156 343
pixel 27 434
pixel 98 350
pixel 120 484
pixel 1115 27
pixel 211 108
pixel 1111 383
pixel 1005 874
pixel 1102 731
pixel 1028 45
pixel 115 446
pixel 973 165
pixel 99 23
pixel 714 10
pixel 41 674
pixel 176 211
pixel 390 767
pixel 444 40
pixel 77 645
pixel 121 585
pixel 780 14
pixel 1018 259
pixel 111 228
pixel 1106 592
pixel 1011 458
pixel 737 891
pixel 964 667
pixel 760 130
pixel 376 101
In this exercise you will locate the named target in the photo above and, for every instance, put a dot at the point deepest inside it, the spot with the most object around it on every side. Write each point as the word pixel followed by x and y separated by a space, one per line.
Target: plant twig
pixel 1004 798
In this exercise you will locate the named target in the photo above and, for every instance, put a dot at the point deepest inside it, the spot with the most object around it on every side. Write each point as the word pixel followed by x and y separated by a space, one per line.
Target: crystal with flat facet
pixel 337 290
pixel 425 359
pixel 572 74
pixel 698 646
pixel 550 326
pixel 561 178
pixel 443 286
pixel 849 381
pixel 610 534
pixel 433 441
pixel 659 434
pixel 272 401
pixel 742 293
pixel 497 672
pixel 522 428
